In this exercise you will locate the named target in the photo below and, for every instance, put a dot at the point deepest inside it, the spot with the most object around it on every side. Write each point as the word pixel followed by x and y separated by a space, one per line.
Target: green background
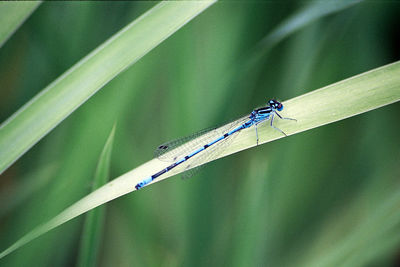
pixel 312 198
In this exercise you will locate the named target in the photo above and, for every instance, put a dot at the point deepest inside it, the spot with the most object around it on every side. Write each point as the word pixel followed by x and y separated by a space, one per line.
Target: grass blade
pixel 376 233
pixel 45 111
pixel 361 93
pixel 17 194
pixel 92 229
pixel 12 15
pixel 303 17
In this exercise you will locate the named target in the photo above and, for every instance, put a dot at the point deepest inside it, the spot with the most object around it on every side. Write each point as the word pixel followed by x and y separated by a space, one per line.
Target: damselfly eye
pixel 280 107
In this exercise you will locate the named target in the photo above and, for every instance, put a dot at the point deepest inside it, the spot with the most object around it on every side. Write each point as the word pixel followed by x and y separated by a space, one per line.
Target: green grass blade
pixel 45 111
pixel 375 233
pixel 12 15
pixel 361 93
pixel 17 194
pixel 304 17
pixel 92 229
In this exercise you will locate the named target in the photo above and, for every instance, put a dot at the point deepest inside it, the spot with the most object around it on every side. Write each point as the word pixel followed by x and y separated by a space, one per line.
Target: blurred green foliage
pixel 327 197
pixel 93 226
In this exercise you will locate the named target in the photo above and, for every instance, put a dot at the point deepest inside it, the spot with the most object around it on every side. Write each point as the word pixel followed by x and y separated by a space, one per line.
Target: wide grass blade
pixel 45 111
pixel 92 229
pixel 12 15
pixel 361 93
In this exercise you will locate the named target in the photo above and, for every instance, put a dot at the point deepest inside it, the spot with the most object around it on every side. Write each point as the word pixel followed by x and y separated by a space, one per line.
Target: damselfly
pixel 213 140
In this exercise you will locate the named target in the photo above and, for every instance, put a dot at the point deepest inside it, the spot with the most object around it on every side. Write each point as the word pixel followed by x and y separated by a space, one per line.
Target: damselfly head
pixel 275 104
